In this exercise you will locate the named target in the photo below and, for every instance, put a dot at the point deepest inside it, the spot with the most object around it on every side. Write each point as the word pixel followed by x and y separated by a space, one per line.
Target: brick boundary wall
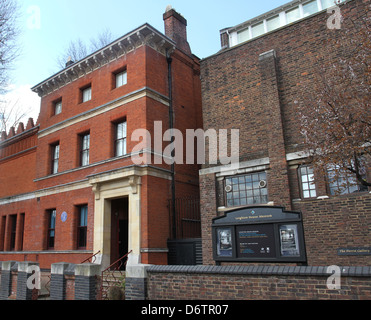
pixel 255 283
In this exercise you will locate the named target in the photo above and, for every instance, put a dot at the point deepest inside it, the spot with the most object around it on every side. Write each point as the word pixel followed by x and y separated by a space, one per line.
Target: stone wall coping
pixel 350 271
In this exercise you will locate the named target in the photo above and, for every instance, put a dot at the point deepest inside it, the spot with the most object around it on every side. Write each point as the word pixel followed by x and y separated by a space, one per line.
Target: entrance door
pixel 119 229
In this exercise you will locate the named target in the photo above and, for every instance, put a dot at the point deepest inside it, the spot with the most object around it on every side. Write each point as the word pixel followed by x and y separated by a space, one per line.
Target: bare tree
pixel 11 114
pixel 78 49
pixel 8 36
pixel 335 112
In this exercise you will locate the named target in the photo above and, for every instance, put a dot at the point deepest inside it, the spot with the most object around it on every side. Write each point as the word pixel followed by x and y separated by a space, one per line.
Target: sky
pixel 48 26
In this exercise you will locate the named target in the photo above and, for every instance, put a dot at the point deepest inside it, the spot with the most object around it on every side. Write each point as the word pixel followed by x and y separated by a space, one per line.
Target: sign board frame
pixel 259 234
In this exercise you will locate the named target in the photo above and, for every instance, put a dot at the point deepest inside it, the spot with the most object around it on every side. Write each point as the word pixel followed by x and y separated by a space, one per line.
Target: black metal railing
pixel 113 276
pixel 185 222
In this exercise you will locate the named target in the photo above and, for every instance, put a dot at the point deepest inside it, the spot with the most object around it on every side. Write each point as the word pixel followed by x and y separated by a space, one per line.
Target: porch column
pixel 107 188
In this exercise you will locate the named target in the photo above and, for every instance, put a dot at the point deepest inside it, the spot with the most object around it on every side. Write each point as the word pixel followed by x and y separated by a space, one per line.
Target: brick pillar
pixel 87 278
pixel 278 181
pixel 25 292
pixel 58 280
pixel 208 203
pixel 6 279
pixel 136 282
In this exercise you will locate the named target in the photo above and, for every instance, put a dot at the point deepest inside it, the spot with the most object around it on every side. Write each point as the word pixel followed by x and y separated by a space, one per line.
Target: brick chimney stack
pixel 176 29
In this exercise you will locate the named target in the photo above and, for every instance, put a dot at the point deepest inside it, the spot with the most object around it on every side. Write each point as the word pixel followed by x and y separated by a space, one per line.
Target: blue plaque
pixel 64 216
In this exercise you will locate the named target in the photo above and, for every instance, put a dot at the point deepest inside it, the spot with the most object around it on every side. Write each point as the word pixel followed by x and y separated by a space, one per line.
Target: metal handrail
pixel 117 262
pixel 107 271
pixel 91 257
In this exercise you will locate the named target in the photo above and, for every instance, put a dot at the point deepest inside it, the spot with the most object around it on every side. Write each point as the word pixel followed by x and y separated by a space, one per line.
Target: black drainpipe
pixel 171 127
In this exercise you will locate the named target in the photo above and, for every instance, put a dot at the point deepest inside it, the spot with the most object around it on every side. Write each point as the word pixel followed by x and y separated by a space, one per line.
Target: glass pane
pixel 55 166
pixel 56 152
pixel 52 219
pixel 313 193
pixel 119 148
pixel 243 35
pixel 83 216
pixel 85 158
pixel 121 79
pixel 273 23
pixel 306 194
pixel 58 107
pixel 258 29
pixel 243 201
pixel 293 15
pixel 327 3
pixel 86 94
pixel 121 130
pixel 310 8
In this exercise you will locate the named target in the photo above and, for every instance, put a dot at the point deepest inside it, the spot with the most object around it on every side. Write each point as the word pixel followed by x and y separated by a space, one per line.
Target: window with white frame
pixel 120 139
pixel 246 189
pixel 273 23
pixel 86 94
pixel 121 78
pixel 57 107
pixel 308 186
pixel 55 158
pixel 310 7
pixel 85 149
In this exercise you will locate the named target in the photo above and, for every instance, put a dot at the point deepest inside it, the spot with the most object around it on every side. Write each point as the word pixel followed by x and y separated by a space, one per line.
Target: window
pixel 247 189
pixel 243 35
pixel 57 107
pixel 343 182
pixel 86 94
pixel 308 188
pixel 310 8
pixel 293 15
pixel 258 29
pixel 120 139
pixel 82 227
pixel 85 146
pixel 327 3
pixel 273 23
pixel 13 231
pixel 121 78
pixel 51 228
pixel 55 158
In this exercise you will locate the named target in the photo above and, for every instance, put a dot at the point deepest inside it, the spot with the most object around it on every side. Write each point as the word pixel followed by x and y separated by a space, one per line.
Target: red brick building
pixel 252 85
pixel 69 184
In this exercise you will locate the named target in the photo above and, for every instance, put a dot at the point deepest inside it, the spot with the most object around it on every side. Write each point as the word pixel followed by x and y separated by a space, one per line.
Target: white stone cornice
pixel 144 35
